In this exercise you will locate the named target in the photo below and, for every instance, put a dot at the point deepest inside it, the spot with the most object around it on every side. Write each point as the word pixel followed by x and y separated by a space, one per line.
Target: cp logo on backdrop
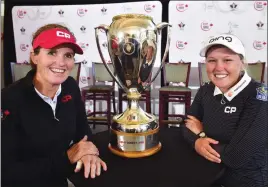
pixel 259 44
pixel 24 47
pixel 181 44
pixel 83 79
pixel 181 7
pixel 81 12
pixel 83 45
pixel 205 26
pixel 260 5
pixel 21 13
pixel 148 8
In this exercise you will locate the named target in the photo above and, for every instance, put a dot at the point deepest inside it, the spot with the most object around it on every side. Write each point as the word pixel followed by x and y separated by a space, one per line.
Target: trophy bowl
pixel 132 45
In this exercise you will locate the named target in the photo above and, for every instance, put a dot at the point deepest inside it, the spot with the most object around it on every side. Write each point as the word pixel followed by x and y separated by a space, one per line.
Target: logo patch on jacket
pixel 262 93
pixel 66 98
pixel 4 114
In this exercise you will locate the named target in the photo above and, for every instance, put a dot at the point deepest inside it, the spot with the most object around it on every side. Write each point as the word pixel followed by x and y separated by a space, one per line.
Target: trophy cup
pixel 132 46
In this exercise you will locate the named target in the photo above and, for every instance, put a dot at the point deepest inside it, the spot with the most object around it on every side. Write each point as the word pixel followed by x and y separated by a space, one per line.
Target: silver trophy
pixel 132 46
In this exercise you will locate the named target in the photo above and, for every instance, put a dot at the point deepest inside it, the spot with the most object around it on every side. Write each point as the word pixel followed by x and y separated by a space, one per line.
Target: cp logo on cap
pixel 63 34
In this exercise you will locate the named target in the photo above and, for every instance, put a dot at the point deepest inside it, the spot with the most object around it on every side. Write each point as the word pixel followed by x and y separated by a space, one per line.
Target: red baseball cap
pixel 54 37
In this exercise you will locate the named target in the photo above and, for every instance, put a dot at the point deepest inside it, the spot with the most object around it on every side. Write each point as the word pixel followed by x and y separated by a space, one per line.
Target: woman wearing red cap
pixel 44 125
pixel 227 122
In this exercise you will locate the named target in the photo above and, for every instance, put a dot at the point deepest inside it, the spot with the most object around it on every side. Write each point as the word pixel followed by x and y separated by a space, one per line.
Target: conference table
pixel 176 164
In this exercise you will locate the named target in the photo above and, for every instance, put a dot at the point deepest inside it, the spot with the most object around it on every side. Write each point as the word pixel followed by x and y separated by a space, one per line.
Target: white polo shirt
pixel 52 103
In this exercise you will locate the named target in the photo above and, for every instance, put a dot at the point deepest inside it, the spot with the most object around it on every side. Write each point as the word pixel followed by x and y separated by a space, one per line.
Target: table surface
pixel 176 164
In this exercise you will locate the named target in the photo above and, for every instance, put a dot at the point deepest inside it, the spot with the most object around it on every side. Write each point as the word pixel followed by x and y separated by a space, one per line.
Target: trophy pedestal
pixel 134 133
pixel 135 154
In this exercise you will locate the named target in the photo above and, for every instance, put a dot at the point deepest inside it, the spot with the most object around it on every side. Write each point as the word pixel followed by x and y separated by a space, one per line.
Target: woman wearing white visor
pixel 227 122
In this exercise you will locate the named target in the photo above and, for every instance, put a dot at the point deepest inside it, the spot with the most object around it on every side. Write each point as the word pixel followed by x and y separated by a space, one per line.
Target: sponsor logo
pixel 227 38
pixel 22 30
pixel 181 44
pixel 83 79
pixel 126 8
pixel 205 26
pixel 259 44
pixel 233 6
pixel 84 62
pixel 66 98
pixel 260 25
pixel 229 109
pixel 4 114
pixel 181 7
pixel 181 25
pixel 260 5
pixel 208 6
pixel 232 26
pixel 148 8
pixel 21 13
pixel 63 34
pixel 262 93
pixel 103 10
pixel 81 12
pixel 105 45
pixel 24 47
pixel 61 13
pixel 83 29
pixel 83 45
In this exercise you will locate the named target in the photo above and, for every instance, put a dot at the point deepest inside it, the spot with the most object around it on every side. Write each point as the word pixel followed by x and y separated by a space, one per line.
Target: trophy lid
pixel 132 16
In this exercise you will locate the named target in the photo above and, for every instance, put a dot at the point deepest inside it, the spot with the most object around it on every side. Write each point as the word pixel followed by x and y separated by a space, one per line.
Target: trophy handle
pixel 106 29
pixel 159 27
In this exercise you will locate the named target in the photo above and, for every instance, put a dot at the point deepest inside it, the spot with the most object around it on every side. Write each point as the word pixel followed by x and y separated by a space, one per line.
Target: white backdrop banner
pixel 81 20
pixel 194 21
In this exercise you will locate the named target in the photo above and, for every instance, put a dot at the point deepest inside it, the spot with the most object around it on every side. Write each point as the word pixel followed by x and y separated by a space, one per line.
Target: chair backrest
pixel 19 70
pixel 256 71
pixel 75 73
pixel 177 72
pixel 100 73
pixel 203 77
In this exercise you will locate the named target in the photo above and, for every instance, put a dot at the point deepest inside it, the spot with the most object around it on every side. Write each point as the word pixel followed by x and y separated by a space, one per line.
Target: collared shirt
pixel 236 89
pixel 34 143
pixel 240 124
pixel 52 103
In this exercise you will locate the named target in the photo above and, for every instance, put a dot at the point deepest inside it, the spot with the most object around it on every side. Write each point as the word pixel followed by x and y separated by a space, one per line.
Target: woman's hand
pixel 83 147
pixel 202 147
pixel 92 165
pixel 193 124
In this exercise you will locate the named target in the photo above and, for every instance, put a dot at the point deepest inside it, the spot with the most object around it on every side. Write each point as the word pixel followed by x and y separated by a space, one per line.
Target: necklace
pixel 222 100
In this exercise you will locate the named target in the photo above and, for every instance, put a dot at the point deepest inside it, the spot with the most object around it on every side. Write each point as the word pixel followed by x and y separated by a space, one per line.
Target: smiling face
pixel 53 65
pixel 223 67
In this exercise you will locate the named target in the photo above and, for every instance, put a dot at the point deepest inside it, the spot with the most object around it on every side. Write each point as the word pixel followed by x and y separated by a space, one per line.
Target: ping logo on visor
pixel 227 38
